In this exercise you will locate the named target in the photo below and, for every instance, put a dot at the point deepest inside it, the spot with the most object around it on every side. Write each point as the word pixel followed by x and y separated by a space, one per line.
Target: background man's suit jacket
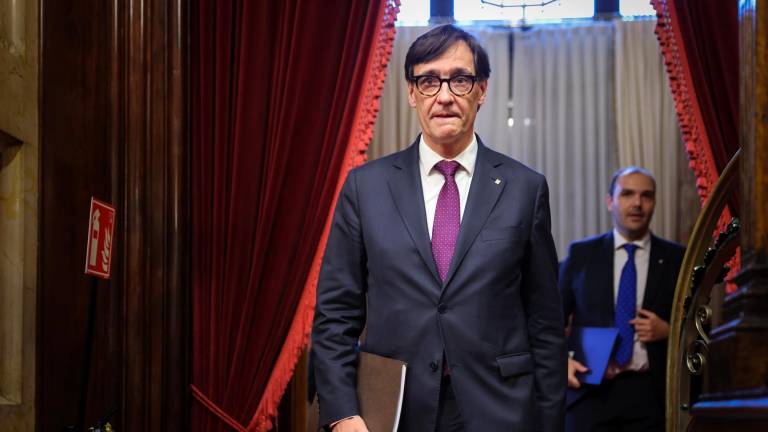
pixel 586 285
pixel 498 317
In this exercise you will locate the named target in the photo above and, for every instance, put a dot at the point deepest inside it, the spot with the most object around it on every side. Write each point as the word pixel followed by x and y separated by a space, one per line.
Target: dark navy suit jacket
pixel 586 285
pixel 497 317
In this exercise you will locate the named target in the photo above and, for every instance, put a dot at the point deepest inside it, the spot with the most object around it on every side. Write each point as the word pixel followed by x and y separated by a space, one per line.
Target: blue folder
pixel 592 347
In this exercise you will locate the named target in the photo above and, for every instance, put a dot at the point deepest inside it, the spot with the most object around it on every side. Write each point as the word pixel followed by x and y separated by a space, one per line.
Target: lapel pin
pixel 497 181
pixel 661 261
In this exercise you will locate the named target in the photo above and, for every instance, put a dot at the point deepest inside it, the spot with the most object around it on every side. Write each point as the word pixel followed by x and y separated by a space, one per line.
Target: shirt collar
pixel 619 241
pixel 428 157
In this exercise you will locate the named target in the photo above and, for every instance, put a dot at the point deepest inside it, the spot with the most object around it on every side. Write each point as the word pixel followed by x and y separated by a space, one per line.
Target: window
pixel 636 7
pixel 475 10
pixel 417 12
pixel 413 12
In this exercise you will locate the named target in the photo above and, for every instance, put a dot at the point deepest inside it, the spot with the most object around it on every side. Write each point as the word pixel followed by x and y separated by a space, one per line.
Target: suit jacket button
pixel 433 366
pixel 441 308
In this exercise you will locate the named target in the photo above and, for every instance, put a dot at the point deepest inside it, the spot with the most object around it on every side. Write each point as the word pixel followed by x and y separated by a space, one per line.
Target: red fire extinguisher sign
pixel 101 228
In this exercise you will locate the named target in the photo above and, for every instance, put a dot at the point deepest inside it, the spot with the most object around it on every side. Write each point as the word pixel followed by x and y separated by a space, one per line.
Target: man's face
pixel 448 120
pixel 632 204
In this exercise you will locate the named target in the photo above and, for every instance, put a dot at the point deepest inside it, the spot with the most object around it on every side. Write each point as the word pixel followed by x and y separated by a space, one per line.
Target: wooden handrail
pixel 700 240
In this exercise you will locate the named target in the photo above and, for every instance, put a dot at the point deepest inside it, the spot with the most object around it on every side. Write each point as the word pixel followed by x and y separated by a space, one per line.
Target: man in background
pixel 443 253
pixel 625 279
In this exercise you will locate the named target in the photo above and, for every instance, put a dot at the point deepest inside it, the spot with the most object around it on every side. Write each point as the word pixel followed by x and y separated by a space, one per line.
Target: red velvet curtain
pixel 283 99
pixel 700 43
pixel 710 33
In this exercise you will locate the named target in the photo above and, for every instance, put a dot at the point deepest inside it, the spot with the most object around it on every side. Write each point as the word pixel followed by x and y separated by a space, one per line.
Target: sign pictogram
pixel 101 228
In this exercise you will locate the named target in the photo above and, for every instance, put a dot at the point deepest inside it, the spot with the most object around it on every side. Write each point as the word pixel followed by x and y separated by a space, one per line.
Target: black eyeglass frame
pixel 473 78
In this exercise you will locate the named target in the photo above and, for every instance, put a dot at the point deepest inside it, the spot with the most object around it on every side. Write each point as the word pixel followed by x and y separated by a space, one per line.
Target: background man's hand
pixel 649 327
pixel 352 424
pixel 573 368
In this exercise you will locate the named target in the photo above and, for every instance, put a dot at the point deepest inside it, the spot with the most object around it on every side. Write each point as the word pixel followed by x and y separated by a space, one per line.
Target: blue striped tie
pixel 626 304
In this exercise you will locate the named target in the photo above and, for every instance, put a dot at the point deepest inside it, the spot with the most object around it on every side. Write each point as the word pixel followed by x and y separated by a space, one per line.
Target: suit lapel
pixel 405 187
pixel 604 279
pixel 484 191
pixel 655 267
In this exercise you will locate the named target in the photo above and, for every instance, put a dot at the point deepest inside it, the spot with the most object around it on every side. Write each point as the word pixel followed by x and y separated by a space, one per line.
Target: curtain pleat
pixel 699 41
pixel 648 134
pixel 283 99
pixel 563 121
pixel 700 44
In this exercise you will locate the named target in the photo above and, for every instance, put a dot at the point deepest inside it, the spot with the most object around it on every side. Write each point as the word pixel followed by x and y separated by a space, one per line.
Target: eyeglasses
pixel 430 85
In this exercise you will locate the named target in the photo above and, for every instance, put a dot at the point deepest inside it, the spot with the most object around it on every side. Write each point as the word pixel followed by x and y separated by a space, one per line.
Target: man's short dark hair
pixel 629 170
pixel 435 42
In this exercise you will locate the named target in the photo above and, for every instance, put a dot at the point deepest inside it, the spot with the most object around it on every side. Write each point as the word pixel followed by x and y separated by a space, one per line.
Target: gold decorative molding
pixel 687 350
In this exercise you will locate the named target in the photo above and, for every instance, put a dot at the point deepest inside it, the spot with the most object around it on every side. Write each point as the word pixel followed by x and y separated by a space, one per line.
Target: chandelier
pixel 522 4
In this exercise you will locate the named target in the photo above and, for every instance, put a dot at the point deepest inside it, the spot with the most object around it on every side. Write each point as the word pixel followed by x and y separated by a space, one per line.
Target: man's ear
pixel 411 94
pixel 483 86
pixel 608 202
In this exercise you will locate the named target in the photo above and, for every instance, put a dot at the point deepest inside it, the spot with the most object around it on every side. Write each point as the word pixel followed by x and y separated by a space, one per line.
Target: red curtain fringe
pixel 355 154
pixel 697 145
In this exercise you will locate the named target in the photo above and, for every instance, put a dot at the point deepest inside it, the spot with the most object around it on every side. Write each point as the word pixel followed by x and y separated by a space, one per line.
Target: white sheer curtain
pixel 397 125
pixel 491 121
pixel 564 121
pixel 588 98
pixel 647 130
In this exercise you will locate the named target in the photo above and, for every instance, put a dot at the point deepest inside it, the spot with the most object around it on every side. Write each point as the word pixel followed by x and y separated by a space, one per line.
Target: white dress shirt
pixel 639 361
pixel 432 180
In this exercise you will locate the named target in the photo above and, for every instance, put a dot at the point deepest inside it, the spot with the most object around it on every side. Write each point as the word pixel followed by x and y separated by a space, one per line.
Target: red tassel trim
pixel 697 145
pixel 362 132
pixel 688 113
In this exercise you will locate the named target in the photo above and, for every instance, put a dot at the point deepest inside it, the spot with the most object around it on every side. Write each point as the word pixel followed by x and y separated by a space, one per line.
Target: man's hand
pixel 573 368
pixel 352 424
pixel 649 327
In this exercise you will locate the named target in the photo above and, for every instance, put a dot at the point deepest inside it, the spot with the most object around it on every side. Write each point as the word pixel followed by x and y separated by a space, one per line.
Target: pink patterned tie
pixel 445 228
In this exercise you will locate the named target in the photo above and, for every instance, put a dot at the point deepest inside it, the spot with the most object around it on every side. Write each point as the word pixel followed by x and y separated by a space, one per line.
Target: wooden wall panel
pixel 737 393
pixel 113 126
pixel 75 164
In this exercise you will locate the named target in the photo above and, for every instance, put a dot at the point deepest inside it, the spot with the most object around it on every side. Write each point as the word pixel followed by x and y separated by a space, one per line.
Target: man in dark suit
pixel 625 279
pixel 443 253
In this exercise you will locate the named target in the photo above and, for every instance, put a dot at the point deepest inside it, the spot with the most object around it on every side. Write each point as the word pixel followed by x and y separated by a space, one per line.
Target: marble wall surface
pixel 19 65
